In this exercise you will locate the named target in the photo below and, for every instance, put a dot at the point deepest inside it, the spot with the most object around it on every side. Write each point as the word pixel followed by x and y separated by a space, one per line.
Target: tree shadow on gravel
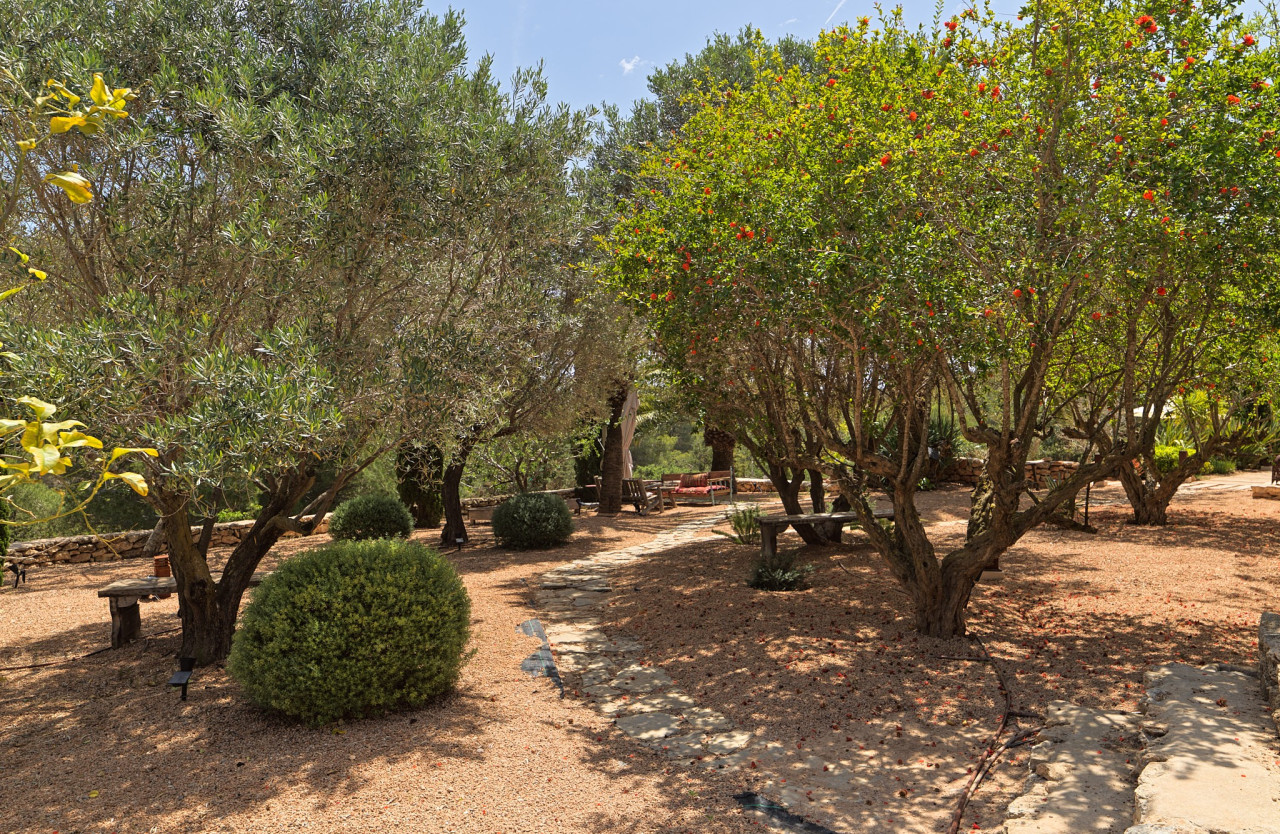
pixel 109 724
pixel 837 670
pixel 695 798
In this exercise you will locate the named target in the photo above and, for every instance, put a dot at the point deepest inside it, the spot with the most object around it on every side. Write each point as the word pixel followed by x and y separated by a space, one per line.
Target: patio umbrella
pixel 629 411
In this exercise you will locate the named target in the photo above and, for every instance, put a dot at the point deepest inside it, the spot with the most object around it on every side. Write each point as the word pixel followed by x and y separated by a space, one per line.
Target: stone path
pixel 644 701
pixel 1082 774
pixel 649 706
pixel 1205 756
pixel 1212 761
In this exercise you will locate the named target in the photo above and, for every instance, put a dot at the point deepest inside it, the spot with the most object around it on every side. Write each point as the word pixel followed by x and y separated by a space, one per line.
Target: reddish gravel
pixel 835 671
pixel 503 754
pixel 832 671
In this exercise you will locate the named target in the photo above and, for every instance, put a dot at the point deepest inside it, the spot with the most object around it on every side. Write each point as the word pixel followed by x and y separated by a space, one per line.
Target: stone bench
pixel 123 597
pixel 830 524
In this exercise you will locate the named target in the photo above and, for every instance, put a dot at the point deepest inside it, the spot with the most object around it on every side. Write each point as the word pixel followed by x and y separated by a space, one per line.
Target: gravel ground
pixel 836 672
pixel 101 745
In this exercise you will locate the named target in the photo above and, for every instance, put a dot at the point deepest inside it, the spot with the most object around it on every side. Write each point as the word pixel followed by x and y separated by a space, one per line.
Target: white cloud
pixel 790 21
pixel 835 11
pixel 629 66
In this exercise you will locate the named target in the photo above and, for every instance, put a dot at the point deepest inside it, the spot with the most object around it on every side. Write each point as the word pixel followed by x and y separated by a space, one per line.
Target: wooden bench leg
pixel 126 621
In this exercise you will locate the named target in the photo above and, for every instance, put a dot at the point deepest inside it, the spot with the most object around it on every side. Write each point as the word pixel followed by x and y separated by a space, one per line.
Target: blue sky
pixel 596 50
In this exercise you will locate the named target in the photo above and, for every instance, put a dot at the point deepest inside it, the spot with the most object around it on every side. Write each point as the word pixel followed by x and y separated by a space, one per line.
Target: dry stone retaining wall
pixel 1269 662
pixel 1039 472
pixel 110 547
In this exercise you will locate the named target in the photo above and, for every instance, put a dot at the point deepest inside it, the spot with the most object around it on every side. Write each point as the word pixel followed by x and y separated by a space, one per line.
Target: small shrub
pixel 745 521
pixel 766 578
pixel 1167 457
pixel 531 520
pixel 926 485
pixel 1222 466
pixel 373 516
pixel 779 573
pixel 353 629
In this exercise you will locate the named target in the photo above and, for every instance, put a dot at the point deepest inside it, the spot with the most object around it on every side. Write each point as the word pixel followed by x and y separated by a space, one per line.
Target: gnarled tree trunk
pixel 788 487
pixel 817 492
pixel 419 473
pixel 455 529
pixel 1150 492
pixel 209 610
pixel 611 464
pixel 722 445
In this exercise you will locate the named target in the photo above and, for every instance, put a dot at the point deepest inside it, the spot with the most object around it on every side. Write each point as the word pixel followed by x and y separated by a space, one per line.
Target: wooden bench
pixel 123 597
pixel 830 524
pixel 679 486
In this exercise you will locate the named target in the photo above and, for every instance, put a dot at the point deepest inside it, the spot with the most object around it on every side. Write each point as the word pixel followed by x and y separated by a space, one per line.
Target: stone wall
pixel 129 544
pixel 1039 472
pixel 1269 662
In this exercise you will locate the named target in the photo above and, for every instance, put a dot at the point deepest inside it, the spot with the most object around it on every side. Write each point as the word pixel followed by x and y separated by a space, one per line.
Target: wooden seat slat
pixel 772 525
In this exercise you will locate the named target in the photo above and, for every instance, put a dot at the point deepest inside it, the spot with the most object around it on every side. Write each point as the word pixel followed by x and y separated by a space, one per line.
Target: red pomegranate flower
pixel 951 25
pixel 1161 291
pixel 1248 40
pixel 1233 99
pixel 1148 195
pixel 886 159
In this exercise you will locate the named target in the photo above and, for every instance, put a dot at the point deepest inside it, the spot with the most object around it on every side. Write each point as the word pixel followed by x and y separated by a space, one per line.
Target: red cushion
pixel 693 479
pixel 703 490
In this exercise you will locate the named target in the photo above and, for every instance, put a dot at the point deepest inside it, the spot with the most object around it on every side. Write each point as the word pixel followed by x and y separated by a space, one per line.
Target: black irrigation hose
pixel 993 752
pixel 78 657
pixel 778 814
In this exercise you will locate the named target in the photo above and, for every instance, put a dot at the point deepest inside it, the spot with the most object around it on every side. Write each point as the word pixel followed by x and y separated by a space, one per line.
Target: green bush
pixel 353 629
pixel 1167 457
pixel 534 519
pixel 1222 466
pixel 247 514
pixel 373 516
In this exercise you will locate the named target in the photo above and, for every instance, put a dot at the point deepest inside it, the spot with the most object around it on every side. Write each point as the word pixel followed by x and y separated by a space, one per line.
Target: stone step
pixel 1082 774
pixel 1212 763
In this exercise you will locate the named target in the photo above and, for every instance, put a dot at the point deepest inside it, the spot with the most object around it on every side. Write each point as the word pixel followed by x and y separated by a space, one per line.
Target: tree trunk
pixel 1149 501
pixel 209 611
pixel 817 492
pixel 155 542
pixel 941 613
pixel 611 463
pixel 789 491
pixel 455 530
pixel 418 477
pixel 722 445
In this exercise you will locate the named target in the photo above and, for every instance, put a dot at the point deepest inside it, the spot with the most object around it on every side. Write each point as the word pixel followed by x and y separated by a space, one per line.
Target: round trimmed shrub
pixel 532 519
pixel 373 516
pixel 353 629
